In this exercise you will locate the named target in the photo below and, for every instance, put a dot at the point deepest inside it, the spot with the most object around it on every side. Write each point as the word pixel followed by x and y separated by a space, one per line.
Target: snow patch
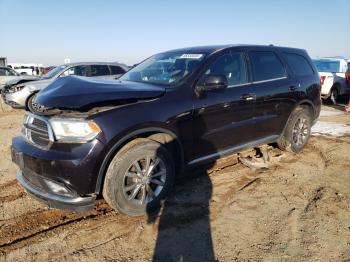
pixel 330 128
pixel 331 113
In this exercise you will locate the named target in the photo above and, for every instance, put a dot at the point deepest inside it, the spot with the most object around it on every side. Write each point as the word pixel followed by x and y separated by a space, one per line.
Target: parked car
pixel 8 74
pixel 27 69
pixel 127 139
pixel 332 74
pixel 22 95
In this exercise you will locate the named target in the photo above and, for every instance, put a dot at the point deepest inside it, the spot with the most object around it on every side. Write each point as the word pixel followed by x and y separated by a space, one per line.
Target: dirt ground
pixel 297 210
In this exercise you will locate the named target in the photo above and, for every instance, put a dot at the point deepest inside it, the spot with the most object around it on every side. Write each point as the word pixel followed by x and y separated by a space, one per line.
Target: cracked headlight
pixel 16 88
pixel 74 130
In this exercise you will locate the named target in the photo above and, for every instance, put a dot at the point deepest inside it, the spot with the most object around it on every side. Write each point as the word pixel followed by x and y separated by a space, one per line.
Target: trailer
pixel 3 61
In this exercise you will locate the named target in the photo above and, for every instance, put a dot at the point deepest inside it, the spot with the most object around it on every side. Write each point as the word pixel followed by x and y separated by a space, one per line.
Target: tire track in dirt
pixel 22 230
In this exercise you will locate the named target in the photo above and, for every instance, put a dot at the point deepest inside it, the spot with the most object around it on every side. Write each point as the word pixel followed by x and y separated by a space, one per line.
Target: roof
pixel 331 59
pixel 214 48
pixel 94 63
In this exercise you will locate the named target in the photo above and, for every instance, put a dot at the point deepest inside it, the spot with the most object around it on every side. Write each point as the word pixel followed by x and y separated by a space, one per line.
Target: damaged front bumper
pixel 46 195
pixel 63 176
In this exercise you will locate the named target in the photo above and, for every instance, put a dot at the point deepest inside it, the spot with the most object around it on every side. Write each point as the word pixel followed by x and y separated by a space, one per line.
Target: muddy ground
pixel 297 210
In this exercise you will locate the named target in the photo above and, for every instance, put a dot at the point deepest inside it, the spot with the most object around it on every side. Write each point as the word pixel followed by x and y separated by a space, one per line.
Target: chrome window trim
pixel 269 80
pixel 258 82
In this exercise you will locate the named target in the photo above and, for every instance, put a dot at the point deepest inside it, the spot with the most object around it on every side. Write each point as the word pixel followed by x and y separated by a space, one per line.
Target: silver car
pixel 22 95
pixel 8 74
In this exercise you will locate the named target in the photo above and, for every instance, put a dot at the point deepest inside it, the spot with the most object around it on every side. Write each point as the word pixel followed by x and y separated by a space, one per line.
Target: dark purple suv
pixel 127 139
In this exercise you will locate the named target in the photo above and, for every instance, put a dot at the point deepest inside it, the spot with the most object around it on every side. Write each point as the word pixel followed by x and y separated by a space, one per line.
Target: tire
pixel 127 186
pixel 297 131
pixel 30 105
pixel 334 96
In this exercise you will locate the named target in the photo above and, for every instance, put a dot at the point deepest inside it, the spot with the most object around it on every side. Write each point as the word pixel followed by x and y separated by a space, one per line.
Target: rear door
pixel 273 88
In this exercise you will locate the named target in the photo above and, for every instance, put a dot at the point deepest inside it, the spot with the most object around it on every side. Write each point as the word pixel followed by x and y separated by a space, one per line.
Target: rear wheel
pixel 334 96
pixel 297 131
pixel 139 177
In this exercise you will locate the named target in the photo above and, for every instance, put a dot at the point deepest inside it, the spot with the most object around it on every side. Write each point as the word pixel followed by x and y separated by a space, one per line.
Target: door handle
pixel 248 97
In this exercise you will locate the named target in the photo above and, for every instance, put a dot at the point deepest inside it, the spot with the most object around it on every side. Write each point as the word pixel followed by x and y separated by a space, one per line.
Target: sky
pixel 41 31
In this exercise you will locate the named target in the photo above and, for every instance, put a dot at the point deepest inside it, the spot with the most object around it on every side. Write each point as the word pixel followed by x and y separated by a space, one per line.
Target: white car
pixel 332 75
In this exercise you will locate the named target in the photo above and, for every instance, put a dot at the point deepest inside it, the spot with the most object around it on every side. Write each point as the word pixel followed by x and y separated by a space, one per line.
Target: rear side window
pixel 117 70
pixel 299 65
pixel 99 70
pixel 266 65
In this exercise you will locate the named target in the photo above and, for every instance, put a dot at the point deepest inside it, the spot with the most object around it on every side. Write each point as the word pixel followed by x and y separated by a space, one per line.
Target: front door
pixel 224 118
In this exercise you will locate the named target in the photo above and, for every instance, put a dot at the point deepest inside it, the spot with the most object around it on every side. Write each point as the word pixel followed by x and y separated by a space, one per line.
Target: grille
pixel 37 130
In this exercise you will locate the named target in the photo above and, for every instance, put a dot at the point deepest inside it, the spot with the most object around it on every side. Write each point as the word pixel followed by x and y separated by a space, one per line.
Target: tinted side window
pixel 231 65
pixel 117 70
pixel 266 65
pixel 99 70
pixel 76 70
pixel 299 65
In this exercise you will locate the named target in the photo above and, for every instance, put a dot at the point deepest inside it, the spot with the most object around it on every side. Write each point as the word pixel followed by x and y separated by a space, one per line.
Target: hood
pixel 39 84
pixel 18 79
pixel 73 92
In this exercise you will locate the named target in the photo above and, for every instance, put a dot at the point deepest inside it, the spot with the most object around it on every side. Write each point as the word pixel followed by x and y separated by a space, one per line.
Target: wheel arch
pixel 158 134
pixel 30 96
pixel 309 105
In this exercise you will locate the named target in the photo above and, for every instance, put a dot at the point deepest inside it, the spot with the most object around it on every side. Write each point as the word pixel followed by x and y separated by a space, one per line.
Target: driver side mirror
pixel 211 82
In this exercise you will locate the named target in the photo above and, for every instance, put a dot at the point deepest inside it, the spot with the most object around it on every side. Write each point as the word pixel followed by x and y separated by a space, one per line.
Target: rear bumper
pixel 72 203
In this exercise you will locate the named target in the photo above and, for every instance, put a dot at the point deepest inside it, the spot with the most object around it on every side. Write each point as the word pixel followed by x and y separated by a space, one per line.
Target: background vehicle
pixel 21 96
pixel 8 74
pixel 127 139
pixel 332 74
pixel 27 69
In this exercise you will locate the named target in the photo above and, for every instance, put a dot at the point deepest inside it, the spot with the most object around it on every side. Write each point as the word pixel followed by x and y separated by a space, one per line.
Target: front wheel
pixel 31 105
pixel 297 131
pixel 139 177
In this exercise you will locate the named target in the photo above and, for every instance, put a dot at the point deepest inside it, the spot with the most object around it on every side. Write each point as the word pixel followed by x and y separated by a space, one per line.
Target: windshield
pixel 166 68
pixel 54 72
pixel 327 66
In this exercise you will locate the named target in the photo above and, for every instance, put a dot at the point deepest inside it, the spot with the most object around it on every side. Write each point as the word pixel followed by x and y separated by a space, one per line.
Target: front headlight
pixel 16 88
pixel 74 130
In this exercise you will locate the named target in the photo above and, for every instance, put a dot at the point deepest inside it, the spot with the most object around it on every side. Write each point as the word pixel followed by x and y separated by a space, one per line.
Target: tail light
pixel 347 77
pixel 322 78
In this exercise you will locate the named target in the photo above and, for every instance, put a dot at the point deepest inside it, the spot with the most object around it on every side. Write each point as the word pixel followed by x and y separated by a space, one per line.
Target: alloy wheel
pixel 144 180
pixel 300 131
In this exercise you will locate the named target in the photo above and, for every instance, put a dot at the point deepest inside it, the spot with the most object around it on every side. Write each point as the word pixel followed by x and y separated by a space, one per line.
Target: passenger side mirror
pixel 211 82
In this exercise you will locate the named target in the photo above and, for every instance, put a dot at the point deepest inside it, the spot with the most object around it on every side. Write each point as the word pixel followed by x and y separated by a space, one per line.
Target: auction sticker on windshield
pixel 191 56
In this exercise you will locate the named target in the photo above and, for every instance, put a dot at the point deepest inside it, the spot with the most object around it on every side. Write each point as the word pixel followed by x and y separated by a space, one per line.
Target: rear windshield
pixel 327 66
